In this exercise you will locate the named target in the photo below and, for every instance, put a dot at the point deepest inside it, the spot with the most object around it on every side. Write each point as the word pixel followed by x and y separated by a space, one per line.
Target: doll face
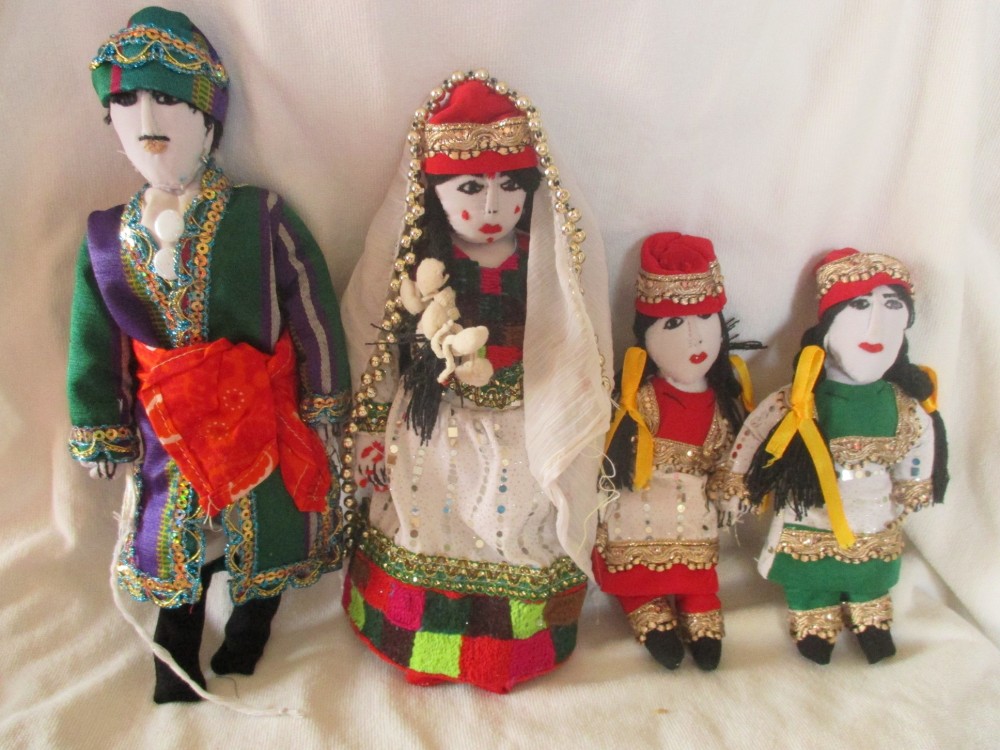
pixel 482 208
pixel 163 137
pixel 865 337
pixel 684 348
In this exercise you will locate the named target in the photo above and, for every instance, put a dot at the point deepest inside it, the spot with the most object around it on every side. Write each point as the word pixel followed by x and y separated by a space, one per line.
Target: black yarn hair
pixel 619 461
pixel 792 478
pixel 419 366
pixel 210 122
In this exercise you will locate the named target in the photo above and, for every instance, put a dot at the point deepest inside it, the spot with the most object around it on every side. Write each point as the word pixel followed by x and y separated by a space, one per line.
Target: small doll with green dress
pixel 847 451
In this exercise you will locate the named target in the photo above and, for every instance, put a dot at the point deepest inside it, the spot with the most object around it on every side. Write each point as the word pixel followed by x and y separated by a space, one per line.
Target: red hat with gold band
pixel 477 131
pixel 679 275
pixel 845 274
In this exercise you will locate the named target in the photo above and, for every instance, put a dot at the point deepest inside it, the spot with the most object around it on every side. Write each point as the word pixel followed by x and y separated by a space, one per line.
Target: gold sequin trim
pixel 876 613
pixel 372 416
pixel 654 615
pixel 319 408
pixel 860 267
pixel 824 622
pixel 673 455
pixel 161 46
pixel 886 451
pixel 656 555
pixel 471 576
pixel 682 288
pixel 467 140
pixel 912 494
pixel 504 389
pixel 695 625
pixel 809 546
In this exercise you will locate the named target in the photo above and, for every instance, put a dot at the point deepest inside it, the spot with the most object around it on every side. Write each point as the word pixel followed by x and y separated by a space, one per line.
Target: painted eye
pixel 124 98
pixel 471 187
pixel 671 323
pixel 859 303
pixel 160 98
pixel 894 304
pixel 509 185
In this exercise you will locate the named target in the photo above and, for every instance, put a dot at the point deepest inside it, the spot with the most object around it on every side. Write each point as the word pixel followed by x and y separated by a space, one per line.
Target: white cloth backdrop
pixel 779 130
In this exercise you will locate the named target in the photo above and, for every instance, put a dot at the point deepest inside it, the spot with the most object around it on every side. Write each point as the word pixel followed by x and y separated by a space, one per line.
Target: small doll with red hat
pixel 681 403
pixel 847 451
pixel 483 399
pixel 205 350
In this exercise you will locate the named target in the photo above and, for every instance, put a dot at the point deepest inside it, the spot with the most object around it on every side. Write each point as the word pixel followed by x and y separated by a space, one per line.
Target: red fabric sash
pixel 227 414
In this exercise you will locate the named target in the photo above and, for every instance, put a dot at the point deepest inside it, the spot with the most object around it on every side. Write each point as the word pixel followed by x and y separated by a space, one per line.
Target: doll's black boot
pixel 815 649
pixel 247 632
pixel 666 647
pixel 876 644
pixel 179 631
pixel 706 652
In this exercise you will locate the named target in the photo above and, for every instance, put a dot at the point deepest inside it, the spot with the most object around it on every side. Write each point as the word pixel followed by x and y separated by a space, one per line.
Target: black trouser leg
pixel 179 631
pixel 247 632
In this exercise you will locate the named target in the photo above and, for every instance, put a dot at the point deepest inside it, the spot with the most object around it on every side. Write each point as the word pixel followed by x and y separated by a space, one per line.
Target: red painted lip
pixel 491 229
pixel 697 359
pixel 872 348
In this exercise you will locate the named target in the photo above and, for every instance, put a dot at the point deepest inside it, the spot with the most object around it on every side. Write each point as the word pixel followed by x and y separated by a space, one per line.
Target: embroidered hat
pixel 679 275
pixel 161 50
pixel 477 131
pixel 846 274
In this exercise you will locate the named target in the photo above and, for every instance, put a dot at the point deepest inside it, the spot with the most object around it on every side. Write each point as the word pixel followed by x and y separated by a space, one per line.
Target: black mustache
pixel 153 138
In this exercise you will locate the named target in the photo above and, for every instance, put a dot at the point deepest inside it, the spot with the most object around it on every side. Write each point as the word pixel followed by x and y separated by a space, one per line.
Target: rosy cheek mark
pixel 517 209
pixel 465 215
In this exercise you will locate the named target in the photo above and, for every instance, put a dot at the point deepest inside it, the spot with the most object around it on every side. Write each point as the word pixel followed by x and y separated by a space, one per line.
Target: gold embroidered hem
pixel 672 455
pixel 876 613
pixel 823 622
pixel 325 554
pixel 656 555
pixel 887 451
pixel 505 388
pixel 912 494
pixel 811 545
pixel 859 267
pixel 695 625
pixel 471 576
pixel 654 615
pixel 683 288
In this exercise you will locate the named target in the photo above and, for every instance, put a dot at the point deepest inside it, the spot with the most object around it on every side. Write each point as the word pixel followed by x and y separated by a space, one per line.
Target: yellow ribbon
pixel 800 420
pixel 635 363
pixel 746 385
pixel 930 403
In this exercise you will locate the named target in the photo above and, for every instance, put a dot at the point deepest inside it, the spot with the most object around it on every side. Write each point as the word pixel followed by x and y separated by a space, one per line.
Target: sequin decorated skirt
pixel 446 620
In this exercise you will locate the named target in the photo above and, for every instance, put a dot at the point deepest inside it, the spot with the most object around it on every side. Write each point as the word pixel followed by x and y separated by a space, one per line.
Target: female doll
pixel 848 450
pixel 482 404
pixel 680 408
pixel 205 337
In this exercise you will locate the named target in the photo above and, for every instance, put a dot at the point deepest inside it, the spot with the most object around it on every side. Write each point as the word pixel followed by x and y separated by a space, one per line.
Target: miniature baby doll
pixel 479 439
pixel 680 408
pixel 850 448
pixel 205 336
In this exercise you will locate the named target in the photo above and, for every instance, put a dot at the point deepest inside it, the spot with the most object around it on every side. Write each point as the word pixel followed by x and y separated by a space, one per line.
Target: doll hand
pixel 102 469
pixel 370 462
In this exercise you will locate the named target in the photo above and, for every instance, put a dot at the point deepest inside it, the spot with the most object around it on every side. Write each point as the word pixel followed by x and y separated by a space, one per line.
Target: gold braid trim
pixel 656 555
pixel 467 140
pixel 876 613
pixel 724 484
pixel 823 622
pixel 654 615
pixel 912 494
pixel 860 267
pixel 681 288
pixel 697 625
pixel 886 451
pixel 812 545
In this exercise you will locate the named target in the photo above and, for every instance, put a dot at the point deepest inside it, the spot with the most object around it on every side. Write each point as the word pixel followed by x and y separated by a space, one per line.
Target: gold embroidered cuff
pixel 859 267
pixel 876 613
pixel 810 545
pixel 823 622
pixel 654 615
pixel 329 409
pixel 682 289
pixel 505 388
pixel 725 484
pixel 660 555
pixel 695 625
pixel 467 140
pixel 913 494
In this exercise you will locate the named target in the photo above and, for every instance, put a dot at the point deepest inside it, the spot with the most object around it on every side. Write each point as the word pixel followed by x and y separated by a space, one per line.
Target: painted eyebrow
pixel 891 295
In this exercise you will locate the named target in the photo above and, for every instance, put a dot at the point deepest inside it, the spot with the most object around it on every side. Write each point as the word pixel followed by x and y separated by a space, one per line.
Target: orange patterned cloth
pixel 227 415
